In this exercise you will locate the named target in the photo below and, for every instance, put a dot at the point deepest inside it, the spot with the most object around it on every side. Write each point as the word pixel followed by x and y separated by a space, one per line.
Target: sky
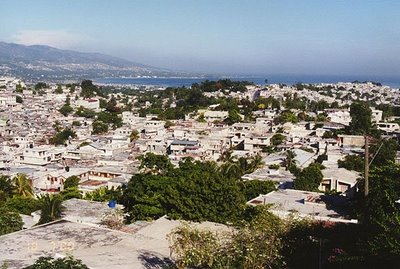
pixel 336 37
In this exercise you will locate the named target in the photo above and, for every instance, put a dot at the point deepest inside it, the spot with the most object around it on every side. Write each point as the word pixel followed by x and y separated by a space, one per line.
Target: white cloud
pixel 56 38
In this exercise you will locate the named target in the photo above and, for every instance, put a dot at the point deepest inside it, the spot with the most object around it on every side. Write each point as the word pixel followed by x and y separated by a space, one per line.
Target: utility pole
pixel 366 166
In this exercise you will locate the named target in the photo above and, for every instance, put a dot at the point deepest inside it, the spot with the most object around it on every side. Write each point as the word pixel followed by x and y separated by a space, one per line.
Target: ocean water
pixel 285 79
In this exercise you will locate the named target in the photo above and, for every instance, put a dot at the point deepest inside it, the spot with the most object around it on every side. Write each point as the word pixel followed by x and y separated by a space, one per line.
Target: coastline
pixel 275 79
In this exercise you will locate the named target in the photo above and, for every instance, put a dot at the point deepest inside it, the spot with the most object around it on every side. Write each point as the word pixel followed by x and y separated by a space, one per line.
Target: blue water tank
pixel 111 204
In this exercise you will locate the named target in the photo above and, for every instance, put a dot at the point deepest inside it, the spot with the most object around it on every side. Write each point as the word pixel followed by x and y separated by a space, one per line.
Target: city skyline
pixel 228 37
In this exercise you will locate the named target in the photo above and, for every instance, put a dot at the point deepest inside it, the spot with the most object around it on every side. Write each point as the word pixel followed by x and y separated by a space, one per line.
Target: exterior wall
pixel 376 115
pixel 88 103
pixel 35 157
pixel 6 101
pixel 330 184
pixel 101 176
pixel 352 140
pixel 342 117
pixel 215 115
pixel 388 127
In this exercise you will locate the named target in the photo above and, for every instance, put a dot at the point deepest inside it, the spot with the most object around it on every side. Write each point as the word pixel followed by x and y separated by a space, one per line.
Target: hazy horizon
pixel 227 37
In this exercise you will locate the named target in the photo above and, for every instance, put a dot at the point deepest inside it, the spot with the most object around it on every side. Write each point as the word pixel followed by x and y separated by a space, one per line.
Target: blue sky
pixel 219 36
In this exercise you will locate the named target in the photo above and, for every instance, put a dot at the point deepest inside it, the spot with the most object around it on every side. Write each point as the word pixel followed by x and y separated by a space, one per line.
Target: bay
pixel 259 80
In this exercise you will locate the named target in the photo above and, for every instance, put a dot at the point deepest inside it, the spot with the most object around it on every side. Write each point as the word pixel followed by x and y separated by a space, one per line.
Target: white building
pixel 8 101
pixel 34 156
pixel 211 116
pixel 341 116
pixel 376 115
pixel 92 103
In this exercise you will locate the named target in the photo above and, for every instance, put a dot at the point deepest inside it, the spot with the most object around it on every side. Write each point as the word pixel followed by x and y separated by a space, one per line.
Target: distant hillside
pixel 44 62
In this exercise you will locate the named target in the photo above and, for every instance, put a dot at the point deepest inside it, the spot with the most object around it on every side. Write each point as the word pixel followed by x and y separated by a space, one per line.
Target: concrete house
pixel 339 180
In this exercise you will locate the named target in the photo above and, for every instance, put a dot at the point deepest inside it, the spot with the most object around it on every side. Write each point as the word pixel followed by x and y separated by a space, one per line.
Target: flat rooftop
pixel 98 248
pixel 306 204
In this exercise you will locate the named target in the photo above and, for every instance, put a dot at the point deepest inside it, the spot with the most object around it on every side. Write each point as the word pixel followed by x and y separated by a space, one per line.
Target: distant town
pixel 221 174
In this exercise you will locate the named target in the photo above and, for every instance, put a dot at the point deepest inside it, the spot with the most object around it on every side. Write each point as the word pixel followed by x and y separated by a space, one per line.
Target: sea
pixel 258 80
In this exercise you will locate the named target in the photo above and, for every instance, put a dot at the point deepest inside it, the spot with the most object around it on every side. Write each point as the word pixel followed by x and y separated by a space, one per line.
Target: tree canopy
pixel 194 190
pixel 59 263
pixel 361 116
pixel 10 221
pixel 309 178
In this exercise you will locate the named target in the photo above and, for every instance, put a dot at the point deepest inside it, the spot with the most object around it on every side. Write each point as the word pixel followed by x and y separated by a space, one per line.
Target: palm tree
pixel 23 185
pixel 231 169
pixel 256 162
pixel 7 188
pixel 51 208
pixel 289 160
pixel 226 156
pixel 134 135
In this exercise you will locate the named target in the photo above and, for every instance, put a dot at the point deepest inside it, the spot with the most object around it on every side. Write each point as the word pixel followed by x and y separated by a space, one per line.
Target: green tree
pixel 257 244
pixel 155 164
pixel 195 248
pixel 110 118
pixel 193 191
pixel 58 90
pixel 381 214
pixel 384 151
pixel 70 193
pixel 290 160
pixel 278 139
pixel 253 188
pixel 19 88
pixel 40 85
pixel 232 168
pixel 286 116
pixel 66 109
pixel 168 124
pixel 233 117
pixel 59 263
pixel 71 182
pixel 112 105
pixel 200 193
pixel 99 127
pixel 85 112
pixel 352 162
pixel 7 188
pixel 103 194
pixel 23 186
pixel 76 123
pixel 236 168
pixel 9 221
pixel 23 205
pixel 61 137
pixel 19 99
pixel 51 209
pixel 72 88
pixel 134 135
pixel 88 89
pixel 309 178
pixel 361 116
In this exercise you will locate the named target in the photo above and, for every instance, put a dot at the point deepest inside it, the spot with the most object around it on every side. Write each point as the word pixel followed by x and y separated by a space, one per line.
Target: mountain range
pixel 39 62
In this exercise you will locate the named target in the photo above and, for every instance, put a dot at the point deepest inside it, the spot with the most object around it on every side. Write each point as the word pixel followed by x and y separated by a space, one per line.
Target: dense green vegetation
pixel 256 245
pixel 309 178
pixel 193 191
pixel 10 221
pixel 59 263
pixel 264 241
pixel 66 109
pixel 361 115
pixel 352 162
pixel 15 198
pixel 62 136
pixel 51 208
